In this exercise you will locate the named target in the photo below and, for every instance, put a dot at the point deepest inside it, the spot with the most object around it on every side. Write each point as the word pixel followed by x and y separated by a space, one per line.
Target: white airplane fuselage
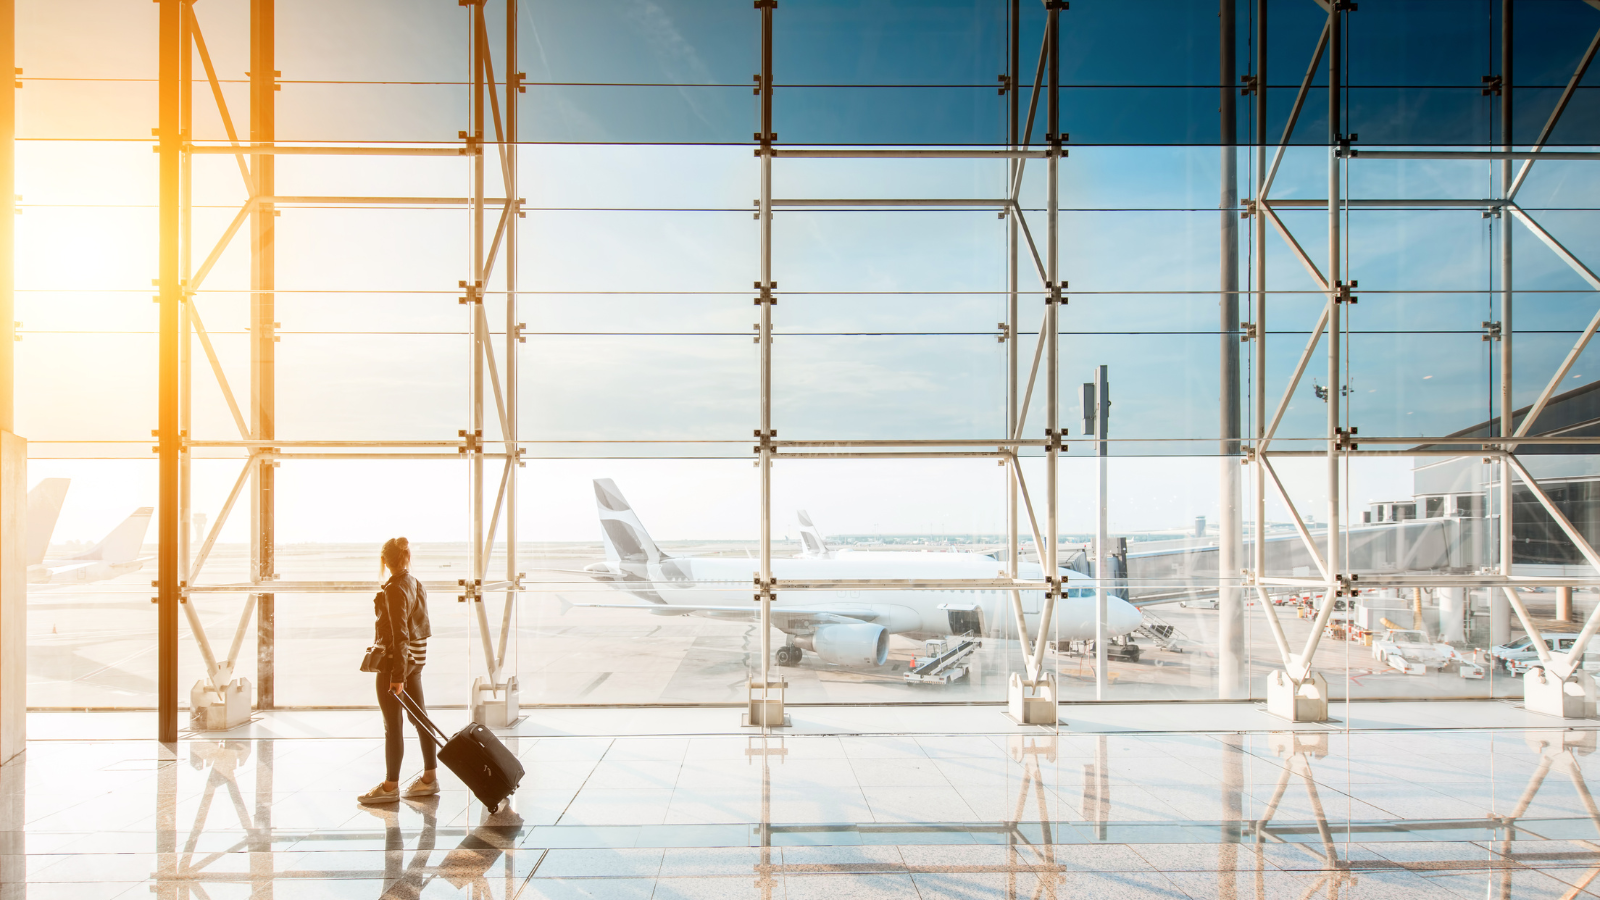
pixel 729 582
pixel 67 571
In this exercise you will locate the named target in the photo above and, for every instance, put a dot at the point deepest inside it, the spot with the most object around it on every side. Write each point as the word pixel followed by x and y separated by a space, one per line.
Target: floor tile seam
pixel 590 774
pixel 1367 730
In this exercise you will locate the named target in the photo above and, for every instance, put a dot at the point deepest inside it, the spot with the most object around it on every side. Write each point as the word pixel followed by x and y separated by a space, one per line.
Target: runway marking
pixel 594 684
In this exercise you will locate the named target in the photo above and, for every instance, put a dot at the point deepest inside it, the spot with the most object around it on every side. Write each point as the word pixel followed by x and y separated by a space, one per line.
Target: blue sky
pixel 886 322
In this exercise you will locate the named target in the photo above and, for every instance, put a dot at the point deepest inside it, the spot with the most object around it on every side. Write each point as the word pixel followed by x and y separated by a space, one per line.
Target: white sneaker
pixel 379 795
pixel 420 788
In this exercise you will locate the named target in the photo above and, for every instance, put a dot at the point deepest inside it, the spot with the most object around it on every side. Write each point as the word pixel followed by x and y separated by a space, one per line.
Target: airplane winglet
pixel 44 508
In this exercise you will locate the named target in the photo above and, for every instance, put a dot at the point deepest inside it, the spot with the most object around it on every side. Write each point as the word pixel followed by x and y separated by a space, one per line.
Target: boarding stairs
pixel 1161 633
pixel 942 663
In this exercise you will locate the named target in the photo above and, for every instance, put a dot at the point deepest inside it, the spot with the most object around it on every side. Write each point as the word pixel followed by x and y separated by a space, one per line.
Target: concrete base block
pixel 495 705
pixel 211 710
pixel 1032 702
pixel 1305 702
pixel 765 705
pixel 1573 698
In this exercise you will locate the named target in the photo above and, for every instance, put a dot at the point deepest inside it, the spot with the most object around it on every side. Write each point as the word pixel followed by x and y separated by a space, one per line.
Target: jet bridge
pixel 1445 545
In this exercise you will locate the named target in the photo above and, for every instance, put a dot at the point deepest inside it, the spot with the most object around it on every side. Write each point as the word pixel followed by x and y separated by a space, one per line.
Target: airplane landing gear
pixel 788 655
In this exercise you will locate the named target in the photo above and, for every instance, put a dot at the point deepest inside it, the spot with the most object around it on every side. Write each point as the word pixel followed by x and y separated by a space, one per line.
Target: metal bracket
pixel 766 441
pixel 1342 292
pixel 765 589
pixel 474 143
pixel 766 293
pixel 1249 210
pixel 1491 331
pixel 474 292
pixel 1248 330
pixel 472 589
pixel 1492 85
pixel 1005 333
pixel 1342 145
pixel 1248 85
pixel 1006 84
pixel 1247 455
pixel 1053 293
pixel 521 338
pixel 1053 440
pixel 1346 585
pixel 1344 439
pixel 474 441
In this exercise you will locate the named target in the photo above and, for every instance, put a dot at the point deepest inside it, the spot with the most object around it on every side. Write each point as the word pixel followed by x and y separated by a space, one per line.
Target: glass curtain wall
pixel 500 288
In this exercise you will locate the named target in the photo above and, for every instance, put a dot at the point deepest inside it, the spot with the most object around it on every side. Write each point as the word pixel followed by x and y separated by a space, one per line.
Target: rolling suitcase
pixel 483 764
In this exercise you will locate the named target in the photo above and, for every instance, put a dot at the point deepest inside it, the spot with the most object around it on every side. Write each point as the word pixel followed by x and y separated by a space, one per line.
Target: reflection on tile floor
pixel 1377 814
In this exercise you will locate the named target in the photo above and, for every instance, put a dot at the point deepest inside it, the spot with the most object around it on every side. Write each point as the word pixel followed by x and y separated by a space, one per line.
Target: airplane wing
pixel 784 617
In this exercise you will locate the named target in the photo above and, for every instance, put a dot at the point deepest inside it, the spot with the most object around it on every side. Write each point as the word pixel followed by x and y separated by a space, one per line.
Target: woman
pixel 402 629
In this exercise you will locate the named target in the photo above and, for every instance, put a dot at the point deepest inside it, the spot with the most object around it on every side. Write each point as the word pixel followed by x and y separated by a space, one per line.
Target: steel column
pixel 1102 536
pixel 1230 530
pixel 480 338
pixel 171 299
pixel 263 338
pixel 1012 214
pixel 185 270
pixel 764 336
pixel 1507 426
pixel 513 328
pixel 1335 307
pixel 1258 236
pixel 1053 302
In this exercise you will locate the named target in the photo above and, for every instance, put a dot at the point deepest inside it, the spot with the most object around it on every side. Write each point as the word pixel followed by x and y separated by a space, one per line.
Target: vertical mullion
pixel 170 150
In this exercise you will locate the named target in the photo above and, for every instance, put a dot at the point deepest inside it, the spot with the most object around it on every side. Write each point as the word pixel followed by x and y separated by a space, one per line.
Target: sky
pixel 638 260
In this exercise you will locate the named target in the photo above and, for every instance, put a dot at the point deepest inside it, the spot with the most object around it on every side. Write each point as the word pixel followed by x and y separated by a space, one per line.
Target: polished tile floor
pixel 1502 811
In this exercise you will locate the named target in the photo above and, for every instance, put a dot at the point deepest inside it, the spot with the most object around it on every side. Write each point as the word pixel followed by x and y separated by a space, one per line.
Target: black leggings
pixel 394 736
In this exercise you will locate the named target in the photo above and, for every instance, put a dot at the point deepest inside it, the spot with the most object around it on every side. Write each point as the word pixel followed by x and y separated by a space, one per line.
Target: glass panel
pixel 636 262
pixel 91 628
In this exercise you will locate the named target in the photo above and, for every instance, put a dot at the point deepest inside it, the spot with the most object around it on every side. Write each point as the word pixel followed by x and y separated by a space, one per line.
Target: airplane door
pixel 964 618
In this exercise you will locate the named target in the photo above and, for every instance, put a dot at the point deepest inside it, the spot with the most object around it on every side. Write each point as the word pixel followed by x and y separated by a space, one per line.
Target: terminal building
pixel 786 448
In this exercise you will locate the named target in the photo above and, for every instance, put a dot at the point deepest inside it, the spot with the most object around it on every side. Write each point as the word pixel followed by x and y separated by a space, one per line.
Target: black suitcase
pixel 483 764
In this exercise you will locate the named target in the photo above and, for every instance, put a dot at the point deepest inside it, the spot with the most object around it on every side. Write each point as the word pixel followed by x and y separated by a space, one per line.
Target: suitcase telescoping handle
pixel 437 735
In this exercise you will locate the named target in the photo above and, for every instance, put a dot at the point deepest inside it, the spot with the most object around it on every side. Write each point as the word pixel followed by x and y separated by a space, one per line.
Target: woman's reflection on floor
pixel 407 871
pixel 402 879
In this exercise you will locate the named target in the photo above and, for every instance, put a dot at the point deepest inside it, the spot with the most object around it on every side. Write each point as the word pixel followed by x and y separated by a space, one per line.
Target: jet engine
pixel 852 645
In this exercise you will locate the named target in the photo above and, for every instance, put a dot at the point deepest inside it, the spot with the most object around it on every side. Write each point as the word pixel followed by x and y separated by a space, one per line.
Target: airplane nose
pixel 1122 617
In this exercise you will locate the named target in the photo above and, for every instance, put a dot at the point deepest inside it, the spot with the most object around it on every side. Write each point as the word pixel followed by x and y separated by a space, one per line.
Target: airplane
pixel 847 628
pixel 117 554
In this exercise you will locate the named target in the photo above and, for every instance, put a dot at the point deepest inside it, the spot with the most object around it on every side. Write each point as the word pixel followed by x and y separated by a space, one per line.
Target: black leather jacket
pixel 402 609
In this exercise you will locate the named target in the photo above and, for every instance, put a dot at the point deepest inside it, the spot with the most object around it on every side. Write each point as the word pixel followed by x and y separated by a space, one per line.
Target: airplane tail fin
pixel 44 507
pixel 125 541
pixel 811 540
pixel 625 537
